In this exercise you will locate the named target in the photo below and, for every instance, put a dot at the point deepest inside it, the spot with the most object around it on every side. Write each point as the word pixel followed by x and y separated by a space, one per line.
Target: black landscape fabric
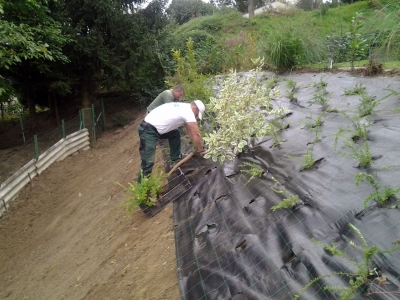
pixel 231 245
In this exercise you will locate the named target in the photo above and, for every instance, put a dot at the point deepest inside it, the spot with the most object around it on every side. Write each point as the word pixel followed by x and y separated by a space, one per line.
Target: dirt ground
pixel 65 236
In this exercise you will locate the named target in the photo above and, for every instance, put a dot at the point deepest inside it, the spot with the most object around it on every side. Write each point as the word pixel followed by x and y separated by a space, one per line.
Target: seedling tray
pixel 171 191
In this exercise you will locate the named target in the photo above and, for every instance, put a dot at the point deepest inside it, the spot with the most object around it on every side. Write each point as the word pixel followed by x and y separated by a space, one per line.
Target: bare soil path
pixel 65 237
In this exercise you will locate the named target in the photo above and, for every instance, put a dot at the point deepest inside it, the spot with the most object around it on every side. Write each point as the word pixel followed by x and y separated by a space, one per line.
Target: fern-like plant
pixel 289 201
pixel 252 169
pixel 381 194
pixel 358 89
pixel 364 272
pixel 146 192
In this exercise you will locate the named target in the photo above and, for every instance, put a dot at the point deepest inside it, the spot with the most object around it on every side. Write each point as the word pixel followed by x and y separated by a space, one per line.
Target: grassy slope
pixel 336 22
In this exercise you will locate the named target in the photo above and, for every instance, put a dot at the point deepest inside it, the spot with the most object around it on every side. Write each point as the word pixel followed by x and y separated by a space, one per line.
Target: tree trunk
pixel 85 89
pixel 50 102
pixel 2 110
pixel 250 8
pixel 31 108
pixel 56 111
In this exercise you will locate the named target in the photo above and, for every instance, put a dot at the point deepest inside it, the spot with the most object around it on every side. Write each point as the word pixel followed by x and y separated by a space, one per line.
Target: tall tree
pixel 181 11
pixel 31 40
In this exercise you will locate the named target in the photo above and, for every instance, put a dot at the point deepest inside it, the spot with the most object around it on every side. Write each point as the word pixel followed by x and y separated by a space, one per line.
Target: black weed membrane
pixel 236 239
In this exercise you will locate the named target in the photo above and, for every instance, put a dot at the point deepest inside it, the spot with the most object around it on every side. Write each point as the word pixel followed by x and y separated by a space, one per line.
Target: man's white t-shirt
pixel 170 116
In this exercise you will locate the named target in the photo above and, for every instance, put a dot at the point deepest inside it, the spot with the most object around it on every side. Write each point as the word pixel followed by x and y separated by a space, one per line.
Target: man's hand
pixel 201 152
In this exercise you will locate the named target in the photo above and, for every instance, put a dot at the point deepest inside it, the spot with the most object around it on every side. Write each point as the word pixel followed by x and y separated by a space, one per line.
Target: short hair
pixel 179 89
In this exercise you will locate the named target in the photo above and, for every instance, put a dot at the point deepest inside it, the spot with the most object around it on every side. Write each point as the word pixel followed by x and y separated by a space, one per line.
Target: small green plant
pixel 363 274
pixel 366 105
pixel 313 124
pixel 359 89
pixel 289 201
pixel 146 192
pixel 252 169
pixel 272 129
pixel 272 82
pixel 358 46
pixel 362 154
pixel 381 194
pixel 359 129
pixel 291 84
pixel 321 85
pixel 309 159
pixel 320 98
pixel 290 95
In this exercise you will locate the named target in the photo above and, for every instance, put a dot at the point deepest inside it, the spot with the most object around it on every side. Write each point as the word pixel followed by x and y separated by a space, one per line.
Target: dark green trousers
pixel 148 142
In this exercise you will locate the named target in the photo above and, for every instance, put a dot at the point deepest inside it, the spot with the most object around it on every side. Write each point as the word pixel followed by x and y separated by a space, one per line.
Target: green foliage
pixel 238 115
pixel 359 129
pixel 291 84
pixel 363 272
pixel 313 124
pixel 381 194
pixel 357 44
pixel 196 85
pixel 367 105
pixel 252 169
pixel 360 153
pixel 320 98
pixel 289 201
pixel 182 11
pixel 289 47
pixel 359 89
pixel 146 192
pixel 321 85
pixel 308 159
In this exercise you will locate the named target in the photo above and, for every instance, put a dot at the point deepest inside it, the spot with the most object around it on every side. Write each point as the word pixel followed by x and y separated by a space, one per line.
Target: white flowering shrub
pixel 240 112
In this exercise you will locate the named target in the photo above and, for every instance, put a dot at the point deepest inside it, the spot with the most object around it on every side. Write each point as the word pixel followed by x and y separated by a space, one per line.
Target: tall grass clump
pixel 286 48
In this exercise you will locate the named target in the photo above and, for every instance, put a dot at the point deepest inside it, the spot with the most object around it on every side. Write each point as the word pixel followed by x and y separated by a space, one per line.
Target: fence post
pixel 87 119
pixel 36 147
pixel 63 128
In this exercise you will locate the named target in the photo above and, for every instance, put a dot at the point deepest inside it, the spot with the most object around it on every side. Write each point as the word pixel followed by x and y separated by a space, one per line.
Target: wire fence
pixel 12 159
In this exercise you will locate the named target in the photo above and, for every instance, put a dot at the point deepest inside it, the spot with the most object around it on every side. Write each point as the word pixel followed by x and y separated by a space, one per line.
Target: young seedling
pixel 321 85
pixel 359 89
pixel 146 192
pixel 309 159
pixel 362 154
pixel 381 194
pixel 367 105
pixel 320 98
pixel 291 84
pixel 252 169
pixel 272 82
pixel 359 129
pixel 289 201
pixel 313 124
pixel 363 274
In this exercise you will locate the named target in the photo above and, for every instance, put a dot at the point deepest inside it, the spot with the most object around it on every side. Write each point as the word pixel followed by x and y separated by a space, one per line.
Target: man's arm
pixel 194 134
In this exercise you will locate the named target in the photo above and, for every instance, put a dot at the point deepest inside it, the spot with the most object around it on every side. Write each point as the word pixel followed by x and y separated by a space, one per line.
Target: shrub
pixel 196 85
pixel 287 48
pixel 238 115
pixel 146 192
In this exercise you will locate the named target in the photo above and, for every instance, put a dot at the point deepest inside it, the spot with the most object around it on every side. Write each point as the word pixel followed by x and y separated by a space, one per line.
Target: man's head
pixel 198 108
pixel 178 91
